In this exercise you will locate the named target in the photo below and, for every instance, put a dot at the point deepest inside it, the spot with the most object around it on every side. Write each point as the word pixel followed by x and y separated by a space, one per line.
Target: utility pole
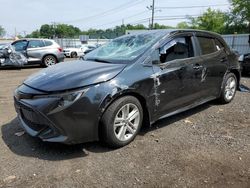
pixel 153 14
pixel 152 8
pixel 54 29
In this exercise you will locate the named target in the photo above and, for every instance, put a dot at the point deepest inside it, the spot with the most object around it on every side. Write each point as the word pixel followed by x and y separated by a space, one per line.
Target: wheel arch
pixel 140 98
pixel 237 74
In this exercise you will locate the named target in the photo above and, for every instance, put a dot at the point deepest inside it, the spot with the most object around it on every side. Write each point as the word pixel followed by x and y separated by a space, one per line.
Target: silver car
pixel 40 51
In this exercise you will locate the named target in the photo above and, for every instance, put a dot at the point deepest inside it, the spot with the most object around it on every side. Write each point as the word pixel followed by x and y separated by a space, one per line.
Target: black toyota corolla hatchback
pixel 132 81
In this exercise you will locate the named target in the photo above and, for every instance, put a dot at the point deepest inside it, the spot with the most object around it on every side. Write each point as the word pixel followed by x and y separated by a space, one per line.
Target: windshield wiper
pixel 100 60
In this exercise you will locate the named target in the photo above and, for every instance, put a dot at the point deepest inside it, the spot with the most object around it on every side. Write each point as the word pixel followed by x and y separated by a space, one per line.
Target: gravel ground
pixel 208 146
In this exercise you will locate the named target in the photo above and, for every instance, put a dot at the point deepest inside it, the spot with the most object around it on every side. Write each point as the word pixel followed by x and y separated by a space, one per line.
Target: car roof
pixel 175 31
pixel 28 39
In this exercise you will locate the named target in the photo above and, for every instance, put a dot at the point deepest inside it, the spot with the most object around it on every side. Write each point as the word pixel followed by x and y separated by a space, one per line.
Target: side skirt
pixel 185 108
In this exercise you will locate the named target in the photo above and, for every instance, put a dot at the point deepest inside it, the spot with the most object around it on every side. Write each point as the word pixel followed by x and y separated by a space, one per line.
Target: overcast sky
pixel 28 15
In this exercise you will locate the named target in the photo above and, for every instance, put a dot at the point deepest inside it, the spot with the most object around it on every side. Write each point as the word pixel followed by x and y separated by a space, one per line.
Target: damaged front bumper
pixel 41 118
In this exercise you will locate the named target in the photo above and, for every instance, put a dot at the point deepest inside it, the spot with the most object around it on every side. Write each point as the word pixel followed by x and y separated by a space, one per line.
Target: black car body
pixel 152 74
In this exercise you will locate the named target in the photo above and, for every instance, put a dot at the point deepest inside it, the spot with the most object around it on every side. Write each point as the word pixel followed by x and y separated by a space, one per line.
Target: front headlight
pixel 64 99
pixel 68 99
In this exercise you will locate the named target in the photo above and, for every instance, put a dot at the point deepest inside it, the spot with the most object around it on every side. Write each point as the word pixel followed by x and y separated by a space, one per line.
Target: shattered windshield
pixel 124 49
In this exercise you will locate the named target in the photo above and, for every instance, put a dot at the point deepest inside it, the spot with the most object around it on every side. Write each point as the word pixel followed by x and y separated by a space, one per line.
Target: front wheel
pixel 229 88
pixel 121 122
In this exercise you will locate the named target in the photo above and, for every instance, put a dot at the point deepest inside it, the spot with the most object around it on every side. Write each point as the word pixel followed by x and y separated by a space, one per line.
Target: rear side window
pixel 207 45
pixel 48 43
pixel 35 44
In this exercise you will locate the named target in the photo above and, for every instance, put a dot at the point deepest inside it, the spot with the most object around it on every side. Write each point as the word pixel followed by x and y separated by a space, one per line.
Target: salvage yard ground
pixel 208 146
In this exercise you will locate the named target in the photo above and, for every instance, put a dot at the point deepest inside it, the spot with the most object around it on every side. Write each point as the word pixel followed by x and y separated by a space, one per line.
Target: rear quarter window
pixel 48 43
pixel 207 45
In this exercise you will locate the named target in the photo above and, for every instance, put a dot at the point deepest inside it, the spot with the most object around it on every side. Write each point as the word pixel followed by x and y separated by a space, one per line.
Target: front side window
pixel 124 49
pixel 207 45
pixel 20 46
pixel 179 48
pixel 35 44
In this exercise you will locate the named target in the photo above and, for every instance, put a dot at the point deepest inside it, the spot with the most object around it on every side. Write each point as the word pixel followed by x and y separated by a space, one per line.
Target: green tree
pixel 211 20
pixel 2 31
pixel 34 34
pixel 183 25
pixel 159 26
pixel 47 31
pixel 66 31
pixel 240 13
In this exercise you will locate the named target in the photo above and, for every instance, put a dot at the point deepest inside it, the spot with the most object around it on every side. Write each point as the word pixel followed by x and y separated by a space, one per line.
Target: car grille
pixel 32 118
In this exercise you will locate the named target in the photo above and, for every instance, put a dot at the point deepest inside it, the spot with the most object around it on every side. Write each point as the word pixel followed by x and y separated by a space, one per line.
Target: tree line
pixel 237 20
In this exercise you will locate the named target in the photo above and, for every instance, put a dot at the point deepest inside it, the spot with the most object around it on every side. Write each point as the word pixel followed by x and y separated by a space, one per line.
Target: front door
pixel 21 46
pixel 177 77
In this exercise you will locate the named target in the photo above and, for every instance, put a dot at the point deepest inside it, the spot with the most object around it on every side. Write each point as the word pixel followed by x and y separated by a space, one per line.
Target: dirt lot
pixel 208 146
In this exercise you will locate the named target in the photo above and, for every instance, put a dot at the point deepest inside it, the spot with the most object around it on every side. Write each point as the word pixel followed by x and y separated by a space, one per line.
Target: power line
pixel 118 20
pixel 108 12
pixel 176 16
pixel 194 6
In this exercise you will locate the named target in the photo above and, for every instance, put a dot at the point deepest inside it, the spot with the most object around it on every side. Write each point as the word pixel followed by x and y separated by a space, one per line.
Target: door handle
pixel 197 67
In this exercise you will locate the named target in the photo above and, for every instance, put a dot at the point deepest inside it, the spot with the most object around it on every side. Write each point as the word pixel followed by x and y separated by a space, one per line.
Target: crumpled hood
pixel 70 75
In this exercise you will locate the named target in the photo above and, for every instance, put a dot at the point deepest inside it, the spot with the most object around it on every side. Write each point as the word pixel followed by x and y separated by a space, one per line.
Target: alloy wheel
pixel 126 122
pixel 49 61
pixel 230 88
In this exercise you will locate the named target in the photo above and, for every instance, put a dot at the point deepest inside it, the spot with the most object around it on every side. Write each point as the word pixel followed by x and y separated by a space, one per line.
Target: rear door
pixel 214 65
pixel 177 76
pixel 35 50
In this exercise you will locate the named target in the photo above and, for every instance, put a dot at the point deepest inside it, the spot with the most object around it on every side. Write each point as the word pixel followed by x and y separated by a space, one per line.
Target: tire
pixel 116 130
pixel 73 55
pixel 229 88
pixel 49 60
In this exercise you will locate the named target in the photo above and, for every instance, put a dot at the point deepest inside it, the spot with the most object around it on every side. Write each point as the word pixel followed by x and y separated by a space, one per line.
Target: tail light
pixel 60 49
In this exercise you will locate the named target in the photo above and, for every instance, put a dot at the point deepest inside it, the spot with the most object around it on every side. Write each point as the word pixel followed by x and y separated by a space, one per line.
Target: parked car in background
pixel 245 63
pixel 78 51
pixel 132 81
pixel 73 52
pixel 89 49
pixel 40 51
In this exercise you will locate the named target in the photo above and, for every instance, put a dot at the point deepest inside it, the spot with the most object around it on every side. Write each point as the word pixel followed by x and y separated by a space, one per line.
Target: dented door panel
pixel 177 85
